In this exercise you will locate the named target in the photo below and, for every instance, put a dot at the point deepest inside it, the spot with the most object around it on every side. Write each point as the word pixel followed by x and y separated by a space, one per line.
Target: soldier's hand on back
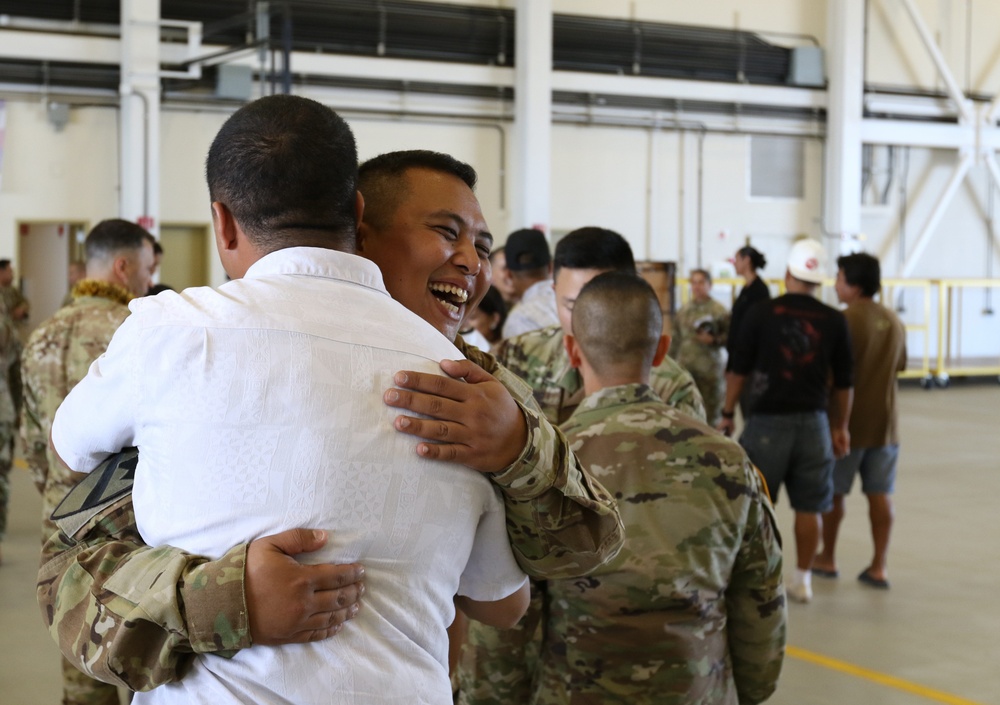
pixel 474 420
pixel 291 603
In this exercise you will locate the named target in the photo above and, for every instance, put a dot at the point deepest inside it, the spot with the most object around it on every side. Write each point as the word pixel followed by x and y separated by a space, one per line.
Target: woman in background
pixel 748 260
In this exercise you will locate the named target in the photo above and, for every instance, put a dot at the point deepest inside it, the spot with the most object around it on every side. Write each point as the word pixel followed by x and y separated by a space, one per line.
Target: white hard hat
pixel 807 261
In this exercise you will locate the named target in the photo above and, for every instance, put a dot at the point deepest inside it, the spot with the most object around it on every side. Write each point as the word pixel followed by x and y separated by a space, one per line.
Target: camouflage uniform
pixel 56 357
pixel 693 608
pixel 158 606
pixel 8 416
pixel 540 359
pixel 497 666
pixel 12 298
pixel 706 363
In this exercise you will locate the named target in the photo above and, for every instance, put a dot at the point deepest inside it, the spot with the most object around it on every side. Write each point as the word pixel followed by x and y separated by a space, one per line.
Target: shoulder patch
pixel 108 481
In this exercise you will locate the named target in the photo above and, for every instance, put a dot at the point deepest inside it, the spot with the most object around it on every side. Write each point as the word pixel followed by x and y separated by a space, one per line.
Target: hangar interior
pixel 691 128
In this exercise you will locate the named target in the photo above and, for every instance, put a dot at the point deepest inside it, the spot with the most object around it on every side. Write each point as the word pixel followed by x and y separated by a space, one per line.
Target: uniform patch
pixel 108 481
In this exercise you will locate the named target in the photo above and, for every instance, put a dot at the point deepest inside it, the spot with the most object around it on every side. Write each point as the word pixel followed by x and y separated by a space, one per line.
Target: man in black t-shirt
pixel 787 352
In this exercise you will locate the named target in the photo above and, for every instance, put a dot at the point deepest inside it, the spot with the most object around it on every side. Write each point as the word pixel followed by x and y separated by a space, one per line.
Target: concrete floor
pixel 933 638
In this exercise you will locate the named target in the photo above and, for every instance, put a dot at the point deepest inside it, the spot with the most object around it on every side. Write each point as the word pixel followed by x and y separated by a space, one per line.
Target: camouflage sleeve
pixel 562 523
pixel 755 602
pixel 34 434
pixel 132 615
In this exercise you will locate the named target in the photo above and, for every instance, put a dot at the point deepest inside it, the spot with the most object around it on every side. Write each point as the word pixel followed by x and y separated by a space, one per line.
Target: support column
pixel 139 135
pixel 532 174
pixel 845 95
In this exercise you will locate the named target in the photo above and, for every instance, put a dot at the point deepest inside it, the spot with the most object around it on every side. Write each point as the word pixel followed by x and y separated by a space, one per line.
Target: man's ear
pixel 120 270
pixel 224 226
pixel 359 207
pixel 364 232
pixel 573 350
pixel 661 350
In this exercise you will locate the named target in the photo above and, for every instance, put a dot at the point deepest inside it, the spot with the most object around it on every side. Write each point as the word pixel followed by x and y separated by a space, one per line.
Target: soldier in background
pixel 693 608
pixel 17 305
pixel 700 331
pixel 57 356
pixel 10 348
pixel 497 666
pixel 17 311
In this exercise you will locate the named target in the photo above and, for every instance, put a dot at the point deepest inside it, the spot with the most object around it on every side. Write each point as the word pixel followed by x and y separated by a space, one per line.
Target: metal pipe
pixel 890 177
pixel 60 26
pixel 145 146
pixel 903 215
pixel 991 233
pixel 701 194
pixel 432 119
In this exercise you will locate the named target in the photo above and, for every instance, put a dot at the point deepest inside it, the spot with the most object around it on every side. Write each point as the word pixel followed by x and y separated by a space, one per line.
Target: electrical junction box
pixel 233 81
pixel 805 67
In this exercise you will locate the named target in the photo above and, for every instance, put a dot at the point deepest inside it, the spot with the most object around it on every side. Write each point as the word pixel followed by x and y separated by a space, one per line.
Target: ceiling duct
pixel 425 31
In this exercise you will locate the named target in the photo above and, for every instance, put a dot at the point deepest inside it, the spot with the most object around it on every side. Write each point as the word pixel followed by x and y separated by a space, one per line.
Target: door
pixel 45 250
pixel 186 252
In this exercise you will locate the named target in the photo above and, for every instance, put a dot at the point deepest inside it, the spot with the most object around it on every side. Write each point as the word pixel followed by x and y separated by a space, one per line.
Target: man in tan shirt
pixel 878 339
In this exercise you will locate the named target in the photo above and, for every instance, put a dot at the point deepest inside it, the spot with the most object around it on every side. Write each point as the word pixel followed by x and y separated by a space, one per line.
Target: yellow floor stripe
pixel 875 676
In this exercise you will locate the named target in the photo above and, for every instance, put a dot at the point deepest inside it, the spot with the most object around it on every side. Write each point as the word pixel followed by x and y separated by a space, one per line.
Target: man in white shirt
pixel 530 265
pixel 259 408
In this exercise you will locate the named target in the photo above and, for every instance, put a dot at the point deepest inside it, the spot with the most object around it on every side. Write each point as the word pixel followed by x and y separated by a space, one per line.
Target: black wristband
pixel 728 414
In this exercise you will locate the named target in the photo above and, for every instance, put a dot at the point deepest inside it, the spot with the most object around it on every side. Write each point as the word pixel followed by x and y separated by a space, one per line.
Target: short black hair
pixel 617 320
pixel 4 263
pixel 593 248
pixel 380 179
pixel 757 260
pixel 158 288
pixel 157 247
pixel 861 270
pixel 287 169
pixel 110 238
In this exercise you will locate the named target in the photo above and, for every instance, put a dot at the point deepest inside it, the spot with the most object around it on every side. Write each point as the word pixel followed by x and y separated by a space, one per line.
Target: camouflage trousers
pixel 498 666
pixel 81 689
pixel 6 459
pixel 710 377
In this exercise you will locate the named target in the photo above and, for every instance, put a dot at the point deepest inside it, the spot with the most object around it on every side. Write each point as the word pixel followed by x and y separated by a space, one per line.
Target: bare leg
pixel 827 559
pixel 806 538
pixel 880 514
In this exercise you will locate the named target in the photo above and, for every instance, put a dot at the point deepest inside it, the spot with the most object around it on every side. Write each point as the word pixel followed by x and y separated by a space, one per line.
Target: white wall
pixel 56 176
pixel 644 184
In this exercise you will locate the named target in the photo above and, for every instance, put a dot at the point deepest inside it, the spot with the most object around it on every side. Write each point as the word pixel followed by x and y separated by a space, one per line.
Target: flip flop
pixel 871 581
pixel 824 573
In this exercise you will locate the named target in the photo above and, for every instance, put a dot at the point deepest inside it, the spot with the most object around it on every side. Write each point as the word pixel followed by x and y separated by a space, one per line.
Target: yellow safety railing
pixel 950 304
